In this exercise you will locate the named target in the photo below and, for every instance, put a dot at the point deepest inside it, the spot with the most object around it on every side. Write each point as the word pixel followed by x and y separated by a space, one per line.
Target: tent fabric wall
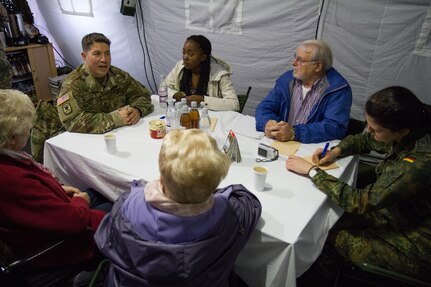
pixel 374 42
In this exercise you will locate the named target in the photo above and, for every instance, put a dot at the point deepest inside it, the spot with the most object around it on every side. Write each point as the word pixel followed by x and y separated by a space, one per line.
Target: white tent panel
pixel 375 43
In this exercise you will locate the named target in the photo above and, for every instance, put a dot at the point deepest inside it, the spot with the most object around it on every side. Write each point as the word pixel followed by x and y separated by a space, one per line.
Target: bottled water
pixel 178 106
pixel 205 121
pixel 184 101
pixel 162 91
pixel 170 115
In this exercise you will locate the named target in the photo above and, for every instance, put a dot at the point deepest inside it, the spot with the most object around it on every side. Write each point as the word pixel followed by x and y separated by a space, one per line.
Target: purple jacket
pixel 327 120
pixel 169 250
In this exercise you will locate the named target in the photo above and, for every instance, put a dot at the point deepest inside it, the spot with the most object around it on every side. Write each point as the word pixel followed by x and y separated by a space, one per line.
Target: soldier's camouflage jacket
pixel 392 216
pixel 86 106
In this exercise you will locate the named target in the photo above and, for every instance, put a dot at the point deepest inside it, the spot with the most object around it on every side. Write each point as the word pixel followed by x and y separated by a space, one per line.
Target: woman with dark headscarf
pixel 387 223
pixel 202 77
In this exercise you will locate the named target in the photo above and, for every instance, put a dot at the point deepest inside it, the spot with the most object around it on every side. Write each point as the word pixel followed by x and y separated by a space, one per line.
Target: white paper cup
pixel 260 173
pixel 111 143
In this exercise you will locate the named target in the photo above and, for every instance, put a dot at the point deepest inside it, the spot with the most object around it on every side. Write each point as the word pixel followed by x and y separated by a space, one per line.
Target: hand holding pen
pixel 325 155
pixel 325 149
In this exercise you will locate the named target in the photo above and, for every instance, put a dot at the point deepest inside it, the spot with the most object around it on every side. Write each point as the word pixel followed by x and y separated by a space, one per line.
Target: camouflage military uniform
pixel 86 106
pixel 5 71
pixel 47 125
pixel 387 223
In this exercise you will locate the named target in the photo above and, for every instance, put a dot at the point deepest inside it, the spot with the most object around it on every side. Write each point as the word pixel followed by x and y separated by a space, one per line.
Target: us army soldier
pixel 97 97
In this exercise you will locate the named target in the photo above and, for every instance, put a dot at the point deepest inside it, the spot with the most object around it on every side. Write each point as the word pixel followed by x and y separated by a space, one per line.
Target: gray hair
pixel 17 114
pixel 322 52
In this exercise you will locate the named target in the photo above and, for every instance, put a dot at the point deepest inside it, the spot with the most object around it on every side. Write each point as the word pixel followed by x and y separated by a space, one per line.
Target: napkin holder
pixel 231 147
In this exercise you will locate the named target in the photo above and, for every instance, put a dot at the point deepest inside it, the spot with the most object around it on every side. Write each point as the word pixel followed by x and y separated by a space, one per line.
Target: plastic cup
pixel 111 143
pixel 260 173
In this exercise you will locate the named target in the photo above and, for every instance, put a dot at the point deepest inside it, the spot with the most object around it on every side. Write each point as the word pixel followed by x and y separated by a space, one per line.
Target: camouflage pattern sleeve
pixel 398 177
pixel 138 96
pixel 361 144
pixel 84 107
pixel 76 119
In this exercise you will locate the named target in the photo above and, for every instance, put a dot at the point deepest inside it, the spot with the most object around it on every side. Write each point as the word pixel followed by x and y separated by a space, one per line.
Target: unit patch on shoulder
pixel 409 159
pixel 62 99
pixel 67 109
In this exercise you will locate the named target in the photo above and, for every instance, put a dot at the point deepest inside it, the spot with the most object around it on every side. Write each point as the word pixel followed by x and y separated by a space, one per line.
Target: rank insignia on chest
pixel 67 109
pixel 409 159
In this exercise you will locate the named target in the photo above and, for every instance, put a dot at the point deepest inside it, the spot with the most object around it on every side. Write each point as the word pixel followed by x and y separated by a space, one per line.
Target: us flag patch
pixel 62 99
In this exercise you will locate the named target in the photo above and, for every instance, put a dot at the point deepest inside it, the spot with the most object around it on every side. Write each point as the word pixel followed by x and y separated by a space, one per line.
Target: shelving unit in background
pixel 32 66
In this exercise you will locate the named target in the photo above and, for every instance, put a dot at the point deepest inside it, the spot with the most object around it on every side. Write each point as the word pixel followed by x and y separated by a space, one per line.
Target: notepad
pixel 286 148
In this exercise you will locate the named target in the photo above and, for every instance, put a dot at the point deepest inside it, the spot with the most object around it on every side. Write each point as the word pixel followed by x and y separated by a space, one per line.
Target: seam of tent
pixel 424 35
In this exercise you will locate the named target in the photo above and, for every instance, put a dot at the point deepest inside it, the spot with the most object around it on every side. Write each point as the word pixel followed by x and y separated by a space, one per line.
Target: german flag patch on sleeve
pixel 409 159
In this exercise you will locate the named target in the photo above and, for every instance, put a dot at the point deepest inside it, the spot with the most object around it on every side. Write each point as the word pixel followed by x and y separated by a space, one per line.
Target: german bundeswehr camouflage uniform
pixel 387 223
pixel 86 106
pixel 5 71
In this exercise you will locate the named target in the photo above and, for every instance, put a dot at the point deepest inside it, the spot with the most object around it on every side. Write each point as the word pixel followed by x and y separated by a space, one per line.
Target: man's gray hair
pixel 322 52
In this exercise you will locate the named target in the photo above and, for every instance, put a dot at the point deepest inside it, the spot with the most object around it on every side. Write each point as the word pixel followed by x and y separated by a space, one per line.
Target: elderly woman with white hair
pixel 180 230
pixel 36 211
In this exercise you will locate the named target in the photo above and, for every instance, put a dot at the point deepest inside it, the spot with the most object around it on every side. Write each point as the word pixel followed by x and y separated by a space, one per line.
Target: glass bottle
pixel 185 120
pixel 194 115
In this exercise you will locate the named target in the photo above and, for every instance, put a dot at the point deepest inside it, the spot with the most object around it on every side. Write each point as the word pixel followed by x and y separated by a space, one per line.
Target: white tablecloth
pixel 296 216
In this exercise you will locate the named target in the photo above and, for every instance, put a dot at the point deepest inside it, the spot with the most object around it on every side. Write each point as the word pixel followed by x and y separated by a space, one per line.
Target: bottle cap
pixel 184 109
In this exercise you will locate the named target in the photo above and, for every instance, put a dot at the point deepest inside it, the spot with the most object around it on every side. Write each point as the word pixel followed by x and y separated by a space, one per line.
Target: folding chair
pixel 243 100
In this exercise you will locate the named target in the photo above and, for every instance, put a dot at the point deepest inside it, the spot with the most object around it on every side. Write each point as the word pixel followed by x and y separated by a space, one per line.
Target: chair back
pixel 7 277
pixel 242 99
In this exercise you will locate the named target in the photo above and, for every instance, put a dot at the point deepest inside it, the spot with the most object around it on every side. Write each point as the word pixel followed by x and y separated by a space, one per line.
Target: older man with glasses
pixel 310 103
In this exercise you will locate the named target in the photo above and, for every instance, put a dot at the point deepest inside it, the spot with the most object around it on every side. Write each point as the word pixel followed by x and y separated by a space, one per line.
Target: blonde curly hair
pixel 17 114
pixel 191 165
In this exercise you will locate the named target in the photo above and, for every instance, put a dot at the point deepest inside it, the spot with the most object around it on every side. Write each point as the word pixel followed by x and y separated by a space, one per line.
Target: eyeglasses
pixel 302 62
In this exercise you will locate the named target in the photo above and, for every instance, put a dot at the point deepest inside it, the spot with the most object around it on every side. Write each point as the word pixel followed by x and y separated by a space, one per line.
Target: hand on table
pixel 198 99
pixel 178 96
pixel 301 166
pixel 330 156
pixel 298 164
pixel 129 115
pixel 280 131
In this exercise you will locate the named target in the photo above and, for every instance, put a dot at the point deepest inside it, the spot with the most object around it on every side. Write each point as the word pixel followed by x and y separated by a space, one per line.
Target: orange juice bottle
pixel 185 121
pixel 194 115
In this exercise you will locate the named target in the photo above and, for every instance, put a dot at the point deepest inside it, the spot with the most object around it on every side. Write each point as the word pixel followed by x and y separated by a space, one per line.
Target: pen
pixel 324 150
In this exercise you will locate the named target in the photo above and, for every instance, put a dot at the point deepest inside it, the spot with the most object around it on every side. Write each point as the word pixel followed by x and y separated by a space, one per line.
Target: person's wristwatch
pixel 313 171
